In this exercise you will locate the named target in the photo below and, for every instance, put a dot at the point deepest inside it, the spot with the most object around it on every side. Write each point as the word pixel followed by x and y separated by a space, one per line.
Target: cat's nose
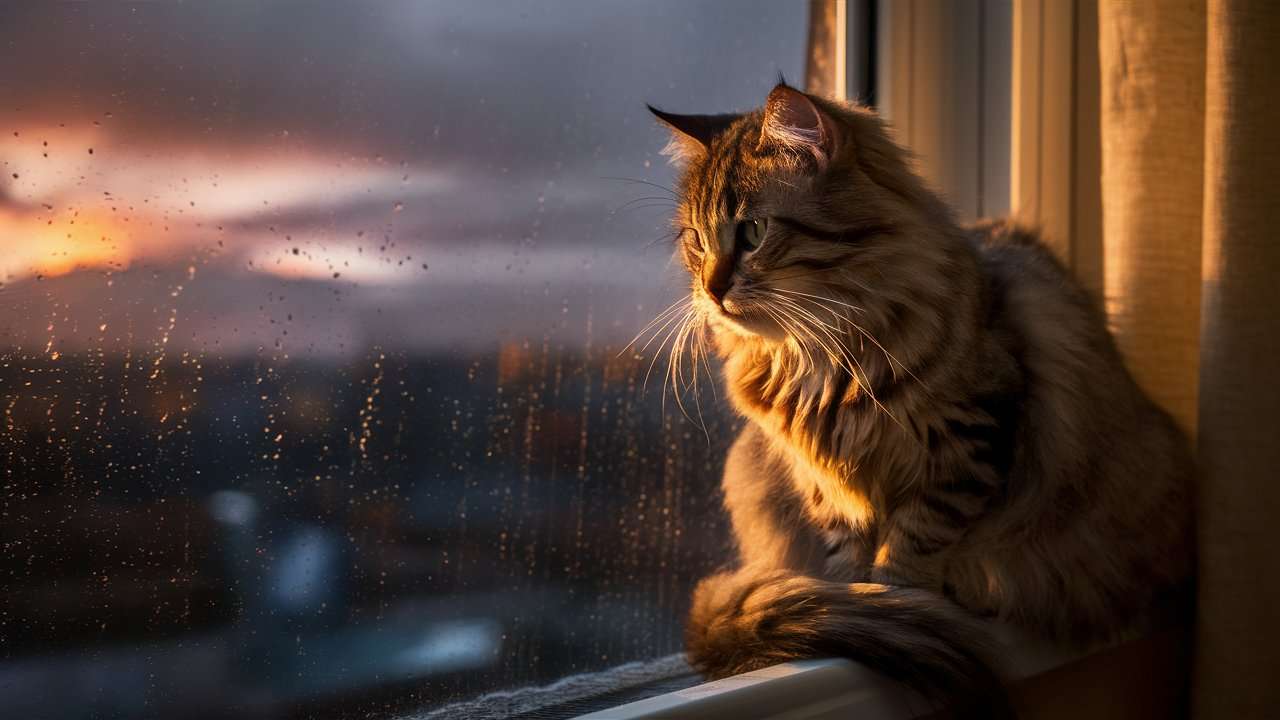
pixel 719 280
pixel 717 290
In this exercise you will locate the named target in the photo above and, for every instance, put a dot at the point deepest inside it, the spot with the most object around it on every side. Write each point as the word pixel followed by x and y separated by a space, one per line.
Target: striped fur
pixel 941 428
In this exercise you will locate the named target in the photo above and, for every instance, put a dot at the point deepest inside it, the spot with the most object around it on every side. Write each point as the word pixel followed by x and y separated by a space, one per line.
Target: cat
pixel 941 435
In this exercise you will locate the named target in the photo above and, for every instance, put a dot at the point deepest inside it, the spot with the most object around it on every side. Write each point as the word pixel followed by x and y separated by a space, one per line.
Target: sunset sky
pixel 420 175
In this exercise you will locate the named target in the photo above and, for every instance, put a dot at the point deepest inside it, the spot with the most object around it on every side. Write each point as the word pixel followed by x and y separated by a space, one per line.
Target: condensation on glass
pixel 312 371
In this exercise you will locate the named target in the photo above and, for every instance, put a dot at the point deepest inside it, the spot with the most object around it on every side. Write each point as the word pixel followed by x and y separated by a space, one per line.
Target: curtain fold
pixel 1152 64
pixel 1238 634
pixel 1191 226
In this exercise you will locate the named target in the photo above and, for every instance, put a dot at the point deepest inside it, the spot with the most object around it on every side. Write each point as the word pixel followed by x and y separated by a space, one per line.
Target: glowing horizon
pixel 76 199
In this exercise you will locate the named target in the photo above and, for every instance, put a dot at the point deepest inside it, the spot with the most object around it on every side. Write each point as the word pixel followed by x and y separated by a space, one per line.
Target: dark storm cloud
pixel 503 120
pixel 503 94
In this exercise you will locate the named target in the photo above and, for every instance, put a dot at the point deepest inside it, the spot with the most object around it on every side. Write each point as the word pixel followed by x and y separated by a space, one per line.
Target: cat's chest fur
pixel 835 496
pixel 845 453
pixel 853 457
pixel 843 502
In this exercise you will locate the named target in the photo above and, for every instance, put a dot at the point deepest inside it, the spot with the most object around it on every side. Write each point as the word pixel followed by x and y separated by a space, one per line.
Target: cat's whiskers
pixel 697 349
pixel 841 317
pixel 658 353
pixel 851 355
pixel 672 325
pixel 845 275
pixel 674 358
pixel 844 352
pixel 793 332
pixel 889 357
pixel 648 205
pixel 646 198
pixel 797 333
pixel 807 273
pixel 832 344
pixel 700 339
pixel 680 330
pixel 638 181
pixel 819 297
pixel 670 312
pixel 665 237
pixel 675 370
pixel 808 329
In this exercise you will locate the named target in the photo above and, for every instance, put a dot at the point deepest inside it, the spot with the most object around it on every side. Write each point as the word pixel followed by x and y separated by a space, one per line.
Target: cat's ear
pixel 691 135
pixel 793 122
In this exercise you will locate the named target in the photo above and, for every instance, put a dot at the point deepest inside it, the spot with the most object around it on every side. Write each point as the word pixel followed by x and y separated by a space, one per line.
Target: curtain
pixel 1191 160
pixel 1152 69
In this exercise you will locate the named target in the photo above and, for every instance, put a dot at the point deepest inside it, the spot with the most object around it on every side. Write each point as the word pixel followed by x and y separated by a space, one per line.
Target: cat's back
pixel 1077 388
pixel 1099 463
pixel 1056 326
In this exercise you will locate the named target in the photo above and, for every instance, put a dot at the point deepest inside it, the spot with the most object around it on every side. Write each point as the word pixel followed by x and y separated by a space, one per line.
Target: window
pixel 314 399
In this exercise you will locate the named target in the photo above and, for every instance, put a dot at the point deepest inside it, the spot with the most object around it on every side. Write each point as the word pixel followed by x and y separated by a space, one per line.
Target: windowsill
pixel 1141 678
pixel 803 689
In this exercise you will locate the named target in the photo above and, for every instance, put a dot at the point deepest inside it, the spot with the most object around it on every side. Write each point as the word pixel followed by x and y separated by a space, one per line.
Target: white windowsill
pixel 810 689
pixel 1141 678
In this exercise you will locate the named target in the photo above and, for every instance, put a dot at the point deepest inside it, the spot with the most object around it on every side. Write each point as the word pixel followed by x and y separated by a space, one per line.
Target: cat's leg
pixel 770 526
pixel 914 540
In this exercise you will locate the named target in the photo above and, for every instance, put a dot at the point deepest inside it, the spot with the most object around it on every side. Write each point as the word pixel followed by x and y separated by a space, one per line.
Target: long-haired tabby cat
pixel 941 431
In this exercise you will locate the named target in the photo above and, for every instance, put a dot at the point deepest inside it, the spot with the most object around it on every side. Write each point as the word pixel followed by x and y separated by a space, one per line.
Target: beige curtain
pixel 1191 217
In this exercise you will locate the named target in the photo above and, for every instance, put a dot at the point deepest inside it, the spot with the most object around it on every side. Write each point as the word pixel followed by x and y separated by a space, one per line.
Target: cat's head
pixel 801 223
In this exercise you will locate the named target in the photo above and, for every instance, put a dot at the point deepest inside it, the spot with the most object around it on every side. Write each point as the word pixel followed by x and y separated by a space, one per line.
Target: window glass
pixel 312 371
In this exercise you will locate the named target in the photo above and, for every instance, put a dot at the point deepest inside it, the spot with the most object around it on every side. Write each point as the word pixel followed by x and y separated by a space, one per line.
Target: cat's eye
pixel 749 234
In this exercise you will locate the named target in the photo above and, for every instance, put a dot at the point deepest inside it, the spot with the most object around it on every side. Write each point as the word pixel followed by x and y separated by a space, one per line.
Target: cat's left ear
pixel 794 122
pixel 691 134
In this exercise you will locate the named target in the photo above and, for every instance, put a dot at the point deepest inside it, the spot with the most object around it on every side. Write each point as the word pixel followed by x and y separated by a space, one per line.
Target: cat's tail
pixel 748 620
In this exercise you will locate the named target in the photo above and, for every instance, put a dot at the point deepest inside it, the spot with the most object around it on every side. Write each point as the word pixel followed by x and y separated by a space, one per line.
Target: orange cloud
pixel 79 198
pixel 44 245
